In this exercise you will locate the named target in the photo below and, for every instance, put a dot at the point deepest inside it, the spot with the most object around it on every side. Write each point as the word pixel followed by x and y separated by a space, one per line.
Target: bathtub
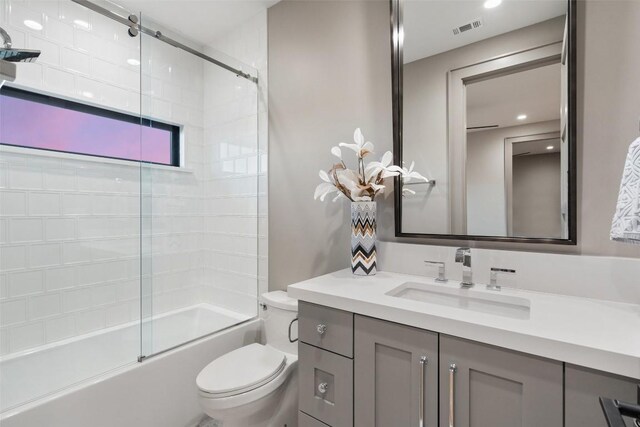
pixel 95 380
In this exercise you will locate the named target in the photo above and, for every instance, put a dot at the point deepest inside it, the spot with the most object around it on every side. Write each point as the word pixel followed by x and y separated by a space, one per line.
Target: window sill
pixel 24 151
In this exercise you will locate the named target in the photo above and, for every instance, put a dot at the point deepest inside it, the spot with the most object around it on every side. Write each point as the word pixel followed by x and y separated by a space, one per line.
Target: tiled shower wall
pixel 172 200
pixel 70 253
pixel 236 197
pixel 70 225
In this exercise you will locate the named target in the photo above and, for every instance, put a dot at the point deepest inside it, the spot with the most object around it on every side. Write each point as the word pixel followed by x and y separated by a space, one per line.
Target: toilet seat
pixel 241 370
pixel 229 401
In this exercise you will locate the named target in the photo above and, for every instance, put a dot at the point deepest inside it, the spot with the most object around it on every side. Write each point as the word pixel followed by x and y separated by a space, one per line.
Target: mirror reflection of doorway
pixel 513 153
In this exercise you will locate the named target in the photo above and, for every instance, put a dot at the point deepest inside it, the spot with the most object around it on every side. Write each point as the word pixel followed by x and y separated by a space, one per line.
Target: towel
pixel 626 221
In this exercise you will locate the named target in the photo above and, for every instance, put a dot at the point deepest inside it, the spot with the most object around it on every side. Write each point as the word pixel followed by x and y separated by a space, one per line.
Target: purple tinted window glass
pixel 29 123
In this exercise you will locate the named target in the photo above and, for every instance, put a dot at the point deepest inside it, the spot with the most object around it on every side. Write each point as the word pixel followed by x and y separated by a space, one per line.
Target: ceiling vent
pixel 473 25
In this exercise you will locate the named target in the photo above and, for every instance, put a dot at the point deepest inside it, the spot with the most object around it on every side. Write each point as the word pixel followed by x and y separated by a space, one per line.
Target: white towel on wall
pixel 626 221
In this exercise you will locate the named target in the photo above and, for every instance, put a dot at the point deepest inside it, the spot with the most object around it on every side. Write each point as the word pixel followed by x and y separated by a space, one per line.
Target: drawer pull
pixel 322 388
pixel 321 328
pixel 452 373
pixel 421 404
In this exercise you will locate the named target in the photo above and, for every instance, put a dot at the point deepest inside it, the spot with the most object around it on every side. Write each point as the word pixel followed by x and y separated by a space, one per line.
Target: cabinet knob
pixel 321 328
pixel 322 388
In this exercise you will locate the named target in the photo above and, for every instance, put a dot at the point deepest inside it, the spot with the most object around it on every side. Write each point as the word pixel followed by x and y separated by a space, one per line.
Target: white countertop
pixel 597 334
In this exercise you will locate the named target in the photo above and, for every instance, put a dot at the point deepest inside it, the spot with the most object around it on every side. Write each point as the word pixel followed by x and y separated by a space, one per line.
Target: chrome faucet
pixel 493 278
pixel 441 266
pixel 463 255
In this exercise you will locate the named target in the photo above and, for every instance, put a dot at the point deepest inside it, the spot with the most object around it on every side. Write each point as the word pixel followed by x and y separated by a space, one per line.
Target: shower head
pixel 7 53
pixel 19 55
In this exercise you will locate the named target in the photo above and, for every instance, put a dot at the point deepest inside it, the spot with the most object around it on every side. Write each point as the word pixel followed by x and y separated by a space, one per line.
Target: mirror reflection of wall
pixel 480 85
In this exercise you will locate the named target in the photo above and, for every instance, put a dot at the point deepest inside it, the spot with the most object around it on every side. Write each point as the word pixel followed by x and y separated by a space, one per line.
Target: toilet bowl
pixel 256 385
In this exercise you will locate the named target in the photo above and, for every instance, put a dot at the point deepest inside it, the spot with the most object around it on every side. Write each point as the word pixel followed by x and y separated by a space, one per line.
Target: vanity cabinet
pixel 326 328
pixel 487 386
pixel 325 365
pixel 396 374
pixel 305 420
pixel 361 371
pixel 584 387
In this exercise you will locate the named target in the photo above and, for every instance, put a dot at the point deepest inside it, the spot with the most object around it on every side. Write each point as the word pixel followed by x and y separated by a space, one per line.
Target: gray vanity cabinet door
pixel 584 387
pixel 305 420
pixel 389 378
pixel 495 387
pixel 325 386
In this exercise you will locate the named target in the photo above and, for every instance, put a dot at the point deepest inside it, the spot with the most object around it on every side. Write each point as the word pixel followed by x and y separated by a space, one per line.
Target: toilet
pixel 256 385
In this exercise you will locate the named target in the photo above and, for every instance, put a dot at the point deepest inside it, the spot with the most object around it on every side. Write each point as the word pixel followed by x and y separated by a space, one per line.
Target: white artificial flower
pixel 325 177
pixel 409 174
pixel 384 166
pixel 351 181
pixel 360 147
pixel 324 189
pixel 366 181
pixel 348 178
pixel 339 196
pixel 377 187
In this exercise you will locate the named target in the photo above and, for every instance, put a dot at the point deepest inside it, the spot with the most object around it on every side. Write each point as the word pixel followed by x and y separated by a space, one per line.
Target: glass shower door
pixel 69 201
pixel 199 218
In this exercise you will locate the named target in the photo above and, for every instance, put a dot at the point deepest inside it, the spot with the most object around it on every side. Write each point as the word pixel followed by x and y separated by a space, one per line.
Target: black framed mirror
pixel 484 104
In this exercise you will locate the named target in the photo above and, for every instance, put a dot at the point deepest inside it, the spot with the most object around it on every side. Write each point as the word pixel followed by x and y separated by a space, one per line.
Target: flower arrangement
pixel 368 180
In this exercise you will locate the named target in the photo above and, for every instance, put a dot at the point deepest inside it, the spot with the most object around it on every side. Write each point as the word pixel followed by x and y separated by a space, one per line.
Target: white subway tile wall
pixel 64 258
pixel 236 233
pixel 70 225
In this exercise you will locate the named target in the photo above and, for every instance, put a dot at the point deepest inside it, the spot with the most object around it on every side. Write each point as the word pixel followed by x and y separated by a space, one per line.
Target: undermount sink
pixel 466 299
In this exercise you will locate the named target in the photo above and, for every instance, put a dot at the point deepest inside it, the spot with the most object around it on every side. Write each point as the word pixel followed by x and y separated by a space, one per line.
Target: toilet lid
pixel 241 370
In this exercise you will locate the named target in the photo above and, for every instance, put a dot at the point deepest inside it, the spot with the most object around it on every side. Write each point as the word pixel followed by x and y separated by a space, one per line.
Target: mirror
pixel 484 104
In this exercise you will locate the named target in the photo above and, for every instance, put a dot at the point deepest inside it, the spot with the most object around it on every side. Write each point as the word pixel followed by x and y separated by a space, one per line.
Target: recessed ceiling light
pixel 82 24
pixel 34 25
pixel 133 61
pixel 87 94
pixel 490 4
pixel 550 147
pixel 522 117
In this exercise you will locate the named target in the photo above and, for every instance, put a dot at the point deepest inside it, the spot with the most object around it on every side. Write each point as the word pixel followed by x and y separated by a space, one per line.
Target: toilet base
pixel 207 421
pixel 278 409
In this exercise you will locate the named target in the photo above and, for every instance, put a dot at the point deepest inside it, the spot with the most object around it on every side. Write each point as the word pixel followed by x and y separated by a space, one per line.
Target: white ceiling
pixel 499 101
pixel 202 21
pixel 428 24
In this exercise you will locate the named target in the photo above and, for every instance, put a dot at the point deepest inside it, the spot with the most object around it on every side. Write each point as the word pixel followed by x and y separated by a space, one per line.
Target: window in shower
pixel 72 127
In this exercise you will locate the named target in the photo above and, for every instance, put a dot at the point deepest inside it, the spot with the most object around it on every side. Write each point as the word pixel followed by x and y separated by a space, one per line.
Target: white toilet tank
pixel 278 312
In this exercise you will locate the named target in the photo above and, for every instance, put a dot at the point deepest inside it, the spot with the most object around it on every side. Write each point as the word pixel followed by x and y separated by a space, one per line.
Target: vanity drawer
pixel 326 386
pixel 326 328
pixel 305 420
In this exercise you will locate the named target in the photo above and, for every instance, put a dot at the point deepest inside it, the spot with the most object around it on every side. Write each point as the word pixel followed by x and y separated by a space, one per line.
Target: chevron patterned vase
pixel 363 238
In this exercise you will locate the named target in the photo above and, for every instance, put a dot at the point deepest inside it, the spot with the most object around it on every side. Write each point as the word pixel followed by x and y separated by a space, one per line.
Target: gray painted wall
pixel 329 71
pixel 608 115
